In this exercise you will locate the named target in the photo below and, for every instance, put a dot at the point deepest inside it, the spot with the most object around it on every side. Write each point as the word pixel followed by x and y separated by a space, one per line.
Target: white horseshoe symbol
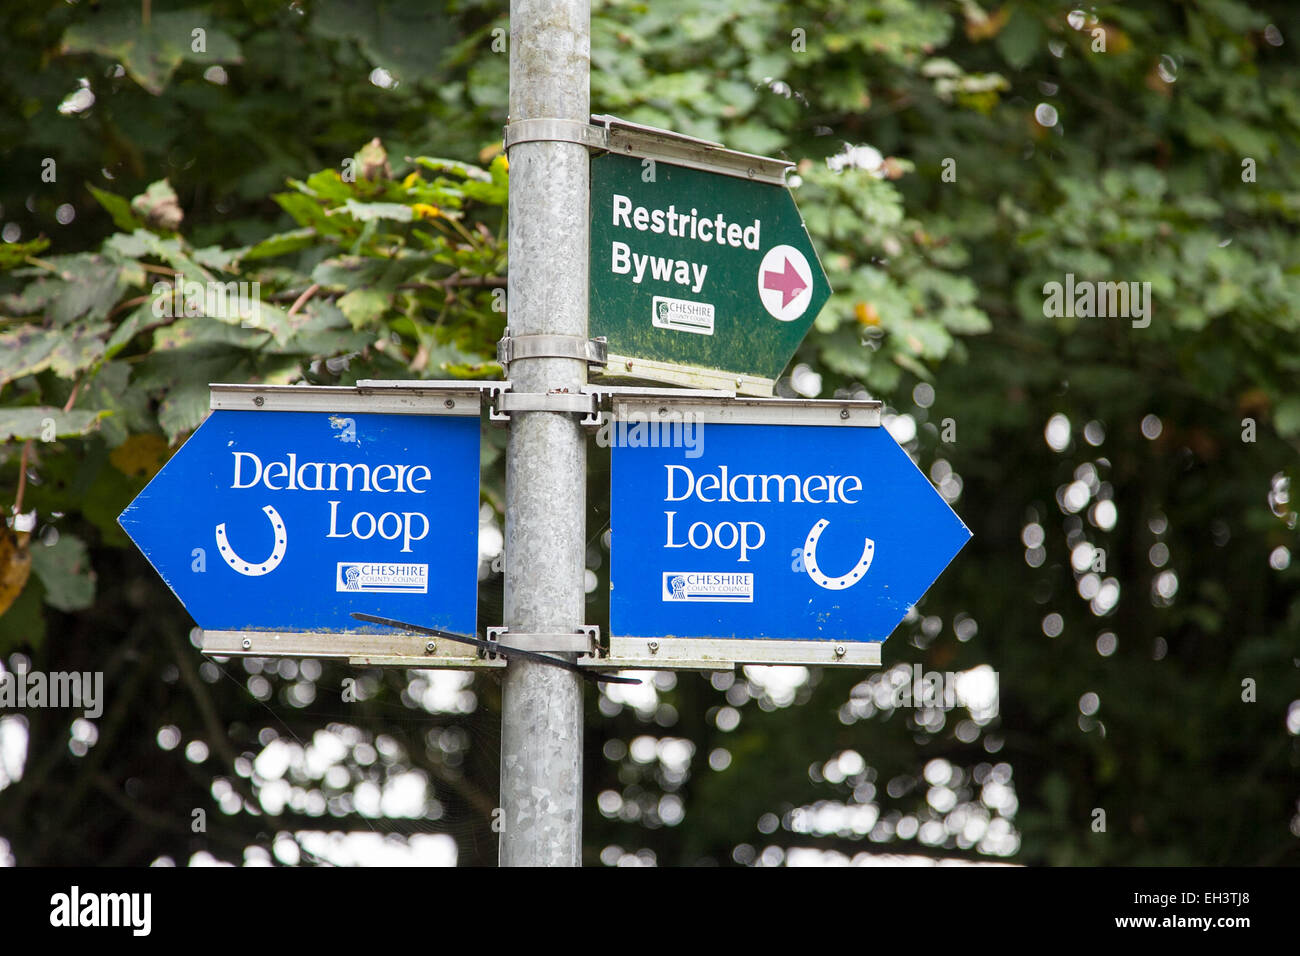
pixel 251 568
pixel 820 579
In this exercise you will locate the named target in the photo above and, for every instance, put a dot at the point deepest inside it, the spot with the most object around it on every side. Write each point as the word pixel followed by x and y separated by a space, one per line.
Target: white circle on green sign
pixel 785 283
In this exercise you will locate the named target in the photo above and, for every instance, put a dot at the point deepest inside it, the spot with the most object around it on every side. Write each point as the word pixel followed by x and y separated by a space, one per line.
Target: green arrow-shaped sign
pixel 698 277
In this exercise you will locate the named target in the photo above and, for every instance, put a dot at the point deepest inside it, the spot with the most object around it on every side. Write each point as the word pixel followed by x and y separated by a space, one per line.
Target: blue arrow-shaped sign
pixel 750 531
pixel 290 520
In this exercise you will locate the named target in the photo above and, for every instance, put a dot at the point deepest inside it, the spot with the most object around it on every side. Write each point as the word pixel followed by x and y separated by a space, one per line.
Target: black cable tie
pixel 495 648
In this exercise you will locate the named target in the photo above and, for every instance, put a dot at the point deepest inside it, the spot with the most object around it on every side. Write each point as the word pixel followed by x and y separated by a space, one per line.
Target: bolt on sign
pixel 701 271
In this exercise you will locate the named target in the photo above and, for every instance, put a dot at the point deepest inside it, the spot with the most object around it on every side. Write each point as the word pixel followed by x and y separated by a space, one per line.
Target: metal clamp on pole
pixel 592 351
pixel 582 640
pixel 572 403
pixel 549 130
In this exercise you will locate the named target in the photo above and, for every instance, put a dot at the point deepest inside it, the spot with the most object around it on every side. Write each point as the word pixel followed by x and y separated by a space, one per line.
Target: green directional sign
pixel 698 277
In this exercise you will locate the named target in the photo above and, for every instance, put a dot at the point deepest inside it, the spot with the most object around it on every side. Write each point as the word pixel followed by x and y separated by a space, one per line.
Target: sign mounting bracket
pixel 511 347
pixel 563 401
pixel 547 129
pixel 584 639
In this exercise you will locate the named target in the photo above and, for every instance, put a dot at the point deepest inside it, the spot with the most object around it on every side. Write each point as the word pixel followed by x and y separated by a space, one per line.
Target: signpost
pixel 765 531
pixel 343 522
pixel 701 271
pixel 291 507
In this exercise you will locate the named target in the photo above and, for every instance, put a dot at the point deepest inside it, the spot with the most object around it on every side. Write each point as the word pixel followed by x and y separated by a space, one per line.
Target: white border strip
pixel 432 398
pixel 399 650
pixel 748 411
pixel 712 653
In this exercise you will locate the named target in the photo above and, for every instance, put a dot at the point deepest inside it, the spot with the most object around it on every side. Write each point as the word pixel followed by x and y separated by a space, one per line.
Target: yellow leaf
pixel 15 565
pixel 866 313
pixel 140 455
pixel 411 180
pixel 982 26
pixel 425 211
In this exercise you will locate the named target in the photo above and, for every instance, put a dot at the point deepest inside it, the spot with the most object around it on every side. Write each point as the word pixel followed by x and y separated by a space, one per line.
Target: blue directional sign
pixel 290 520
pixel 792 532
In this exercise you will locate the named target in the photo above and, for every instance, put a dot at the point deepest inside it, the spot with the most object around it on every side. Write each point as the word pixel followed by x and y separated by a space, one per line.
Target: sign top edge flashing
pixel 676 149
pixel 853 413
pixel 687 398
pixel 432 398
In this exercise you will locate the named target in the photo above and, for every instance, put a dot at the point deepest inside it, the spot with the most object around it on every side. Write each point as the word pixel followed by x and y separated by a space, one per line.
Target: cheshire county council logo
pixel 382 578
pixel 718 587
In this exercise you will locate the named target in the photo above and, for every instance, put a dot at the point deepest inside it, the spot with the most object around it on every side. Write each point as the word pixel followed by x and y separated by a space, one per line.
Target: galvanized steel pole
pixel 546 461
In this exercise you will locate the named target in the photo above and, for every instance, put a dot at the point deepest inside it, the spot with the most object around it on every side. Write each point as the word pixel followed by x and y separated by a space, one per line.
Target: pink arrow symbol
pixel 788 283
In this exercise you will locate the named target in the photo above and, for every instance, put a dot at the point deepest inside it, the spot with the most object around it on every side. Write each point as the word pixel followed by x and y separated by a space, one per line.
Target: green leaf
pixel 64 568
pixel 23 624
pixel 184 409
pixel 1286 419
pixel 202 330
pixel 328 184
pixel 366 211
pixel 127 328
pixel 363 306
pixel 16 253
pixel 406 37
pixel 118 207
pixel 45 423
pixel 1020 39
pixel 308 212
pixel 91 288
pixel 281 243
pixel 32 349
pixel 214 257
pixel 34 297
pixel 464 170
pixel 130 246
pixel 182 376
pixel 78 350
pixel 109 390
pixel 173 252
pixel 26 351
pixel 151 54
pixel 965 320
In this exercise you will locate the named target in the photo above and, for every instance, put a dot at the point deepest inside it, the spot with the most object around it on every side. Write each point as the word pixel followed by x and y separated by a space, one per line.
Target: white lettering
pixel 410 482
pixel 700 272
pixel 257 475
pixel 690 476
pixel 280 471
pixel 375 476
pixel 683 483
pixel 622 206
pixel 621 263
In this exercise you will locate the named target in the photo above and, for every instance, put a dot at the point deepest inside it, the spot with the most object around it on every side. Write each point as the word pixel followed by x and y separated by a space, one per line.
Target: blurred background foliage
pixel 1132 580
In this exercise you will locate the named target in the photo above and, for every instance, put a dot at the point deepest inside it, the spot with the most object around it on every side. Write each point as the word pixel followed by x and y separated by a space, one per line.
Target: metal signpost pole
pixel 544 561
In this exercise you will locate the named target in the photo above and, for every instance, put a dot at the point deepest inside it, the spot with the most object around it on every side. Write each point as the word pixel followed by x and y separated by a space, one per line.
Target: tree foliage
pixel 1128 577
